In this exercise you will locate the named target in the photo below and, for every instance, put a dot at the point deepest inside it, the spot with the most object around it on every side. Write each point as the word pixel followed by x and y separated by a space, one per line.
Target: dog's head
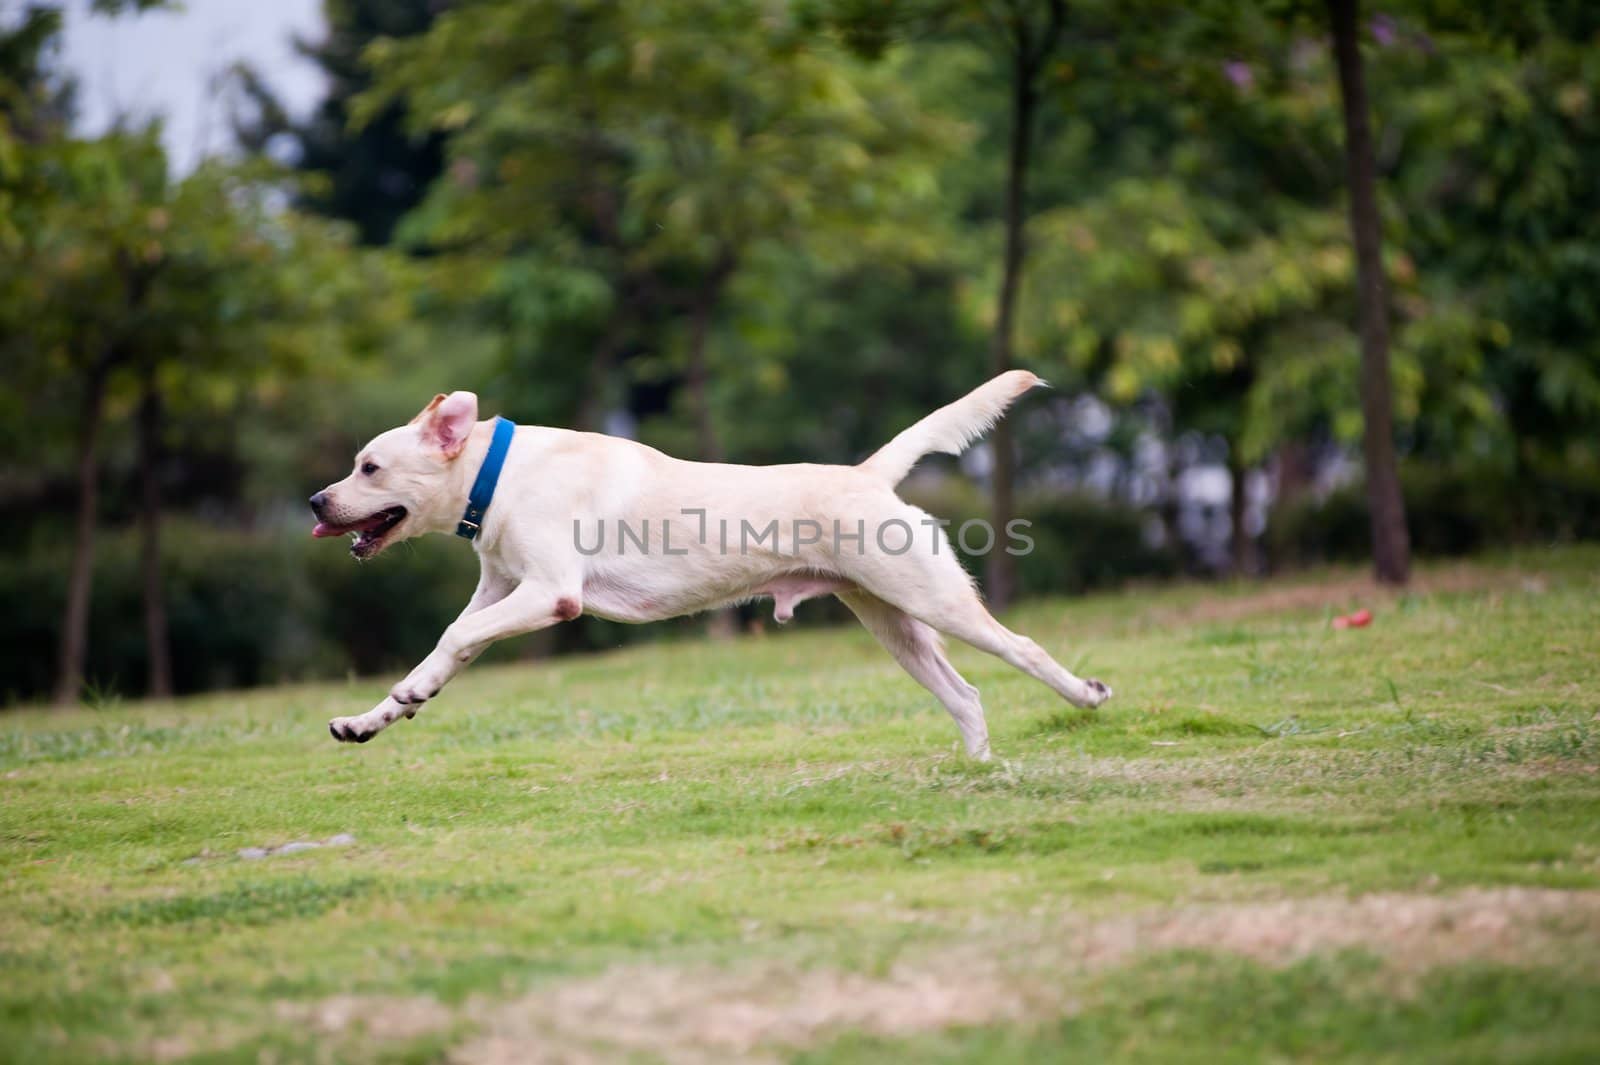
pixel 404 482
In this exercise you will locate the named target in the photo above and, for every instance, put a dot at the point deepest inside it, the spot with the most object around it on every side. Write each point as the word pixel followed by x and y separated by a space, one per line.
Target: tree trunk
pixel 1294 474
pixel 1391 546
pixel 720 624
pixel 701 310
pixel 602 363
pixel 157 649
pixel 80 576
pixel 1000 572
pixel 1242 549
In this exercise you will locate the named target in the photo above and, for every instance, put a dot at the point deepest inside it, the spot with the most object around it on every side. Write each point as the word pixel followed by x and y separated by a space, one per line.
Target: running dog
pixel 567 522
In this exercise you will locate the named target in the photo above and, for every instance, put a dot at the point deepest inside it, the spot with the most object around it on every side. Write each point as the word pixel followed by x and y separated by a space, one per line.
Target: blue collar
pixel 488 476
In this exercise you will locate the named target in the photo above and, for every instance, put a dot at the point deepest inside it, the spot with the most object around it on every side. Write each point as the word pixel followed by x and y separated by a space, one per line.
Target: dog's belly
pixel 618 602
pixel 620 597
pixel 615 598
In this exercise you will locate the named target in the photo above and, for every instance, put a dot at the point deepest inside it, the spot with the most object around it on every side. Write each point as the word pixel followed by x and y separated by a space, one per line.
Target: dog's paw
pixel 1098 692
pixel 363 727
pixel 351 730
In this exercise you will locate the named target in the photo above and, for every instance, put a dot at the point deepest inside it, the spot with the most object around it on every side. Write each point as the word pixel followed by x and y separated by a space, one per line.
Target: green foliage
pixel 196 299
pixel 1080 544
pixel 371 175
pixel 1452 510
pixel 798 330
pixel 1211 268
pixel 1502 218
pixel 243 610
pixel 628 160
pixel 29 101
pixel 679 132
pixel 227 299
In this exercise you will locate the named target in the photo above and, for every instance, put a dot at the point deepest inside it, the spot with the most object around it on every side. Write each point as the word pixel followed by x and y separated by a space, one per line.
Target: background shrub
pixel 1450 511
pixel 1081 543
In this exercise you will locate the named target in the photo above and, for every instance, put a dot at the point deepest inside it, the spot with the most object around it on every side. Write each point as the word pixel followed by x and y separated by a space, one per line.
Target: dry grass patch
pixel 1006 974
pixel 376 1017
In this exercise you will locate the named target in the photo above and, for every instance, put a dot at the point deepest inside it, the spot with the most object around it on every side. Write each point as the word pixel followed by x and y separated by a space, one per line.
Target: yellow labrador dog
pixel 567 522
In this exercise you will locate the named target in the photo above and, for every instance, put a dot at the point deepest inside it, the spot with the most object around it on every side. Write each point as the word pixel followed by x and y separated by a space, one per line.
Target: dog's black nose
pixel 319 501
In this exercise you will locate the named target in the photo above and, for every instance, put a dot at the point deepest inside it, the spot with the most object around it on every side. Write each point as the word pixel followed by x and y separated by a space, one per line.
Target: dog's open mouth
pixel 369 531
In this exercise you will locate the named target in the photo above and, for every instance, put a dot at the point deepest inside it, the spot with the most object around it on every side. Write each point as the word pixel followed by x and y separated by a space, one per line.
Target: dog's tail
pixel 950 428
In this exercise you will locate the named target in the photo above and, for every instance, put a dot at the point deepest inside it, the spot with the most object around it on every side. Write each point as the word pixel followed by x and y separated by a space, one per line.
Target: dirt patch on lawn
pixel 1007 973
pixel 373 1016
pixel 705 1015
pixel 339 1023
pixel 1505 925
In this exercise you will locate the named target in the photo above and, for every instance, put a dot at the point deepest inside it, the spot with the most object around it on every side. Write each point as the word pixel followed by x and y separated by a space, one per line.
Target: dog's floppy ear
pixel 447 421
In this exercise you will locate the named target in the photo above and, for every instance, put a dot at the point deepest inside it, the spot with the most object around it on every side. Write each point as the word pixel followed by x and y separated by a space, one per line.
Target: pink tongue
pixel 324 529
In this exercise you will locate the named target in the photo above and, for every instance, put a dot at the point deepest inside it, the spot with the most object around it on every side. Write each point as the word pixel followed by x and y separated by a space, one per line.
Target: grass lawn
pixel 1277 841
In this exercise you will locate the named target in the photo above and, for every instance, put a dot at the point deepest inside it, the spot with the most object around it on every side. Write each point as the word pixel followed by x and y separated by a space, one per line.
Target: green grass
pixel 1277 841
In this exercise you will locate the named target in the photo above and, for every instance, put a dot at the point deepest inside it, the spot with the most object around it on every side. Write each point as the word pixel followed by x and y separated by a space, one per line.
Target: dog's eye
pixel 369 468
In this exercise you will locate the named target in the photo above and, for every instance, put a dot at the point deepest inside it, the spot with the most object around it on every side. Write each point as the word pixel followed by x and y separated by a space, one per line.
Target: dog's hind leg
pixel 933 588
pixel 974 624
pixel 916 647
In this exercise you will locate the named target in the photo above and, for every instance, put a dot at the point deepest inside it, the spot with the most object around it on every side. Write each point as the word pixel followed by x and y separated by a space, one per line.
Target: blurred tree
pixel 117 269
pixel 196 290
pixel 1493 111
pixel 1025 36
pixel 1486 134
pixel 631 160
pixel 250 298
pixel 1391 545
pixel 894 331
pixel 41 175
pixel 1232 28
pixel 1197 248
pixel 85 262
pixel 372 173
pixel 1157 288
pixel 1029 33
pixel 1238 244
pixel 32 102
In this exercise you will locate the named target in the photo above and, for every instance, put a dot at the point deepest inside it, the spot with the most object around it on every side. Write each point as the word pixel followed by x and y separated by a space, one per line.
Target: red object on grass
pixel 1359 620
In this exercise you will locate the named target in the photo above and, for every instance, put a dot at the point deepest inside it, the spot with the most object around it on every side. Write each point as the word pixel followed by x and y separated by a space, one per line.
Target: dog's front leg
pixel 415 689
pixel 531 606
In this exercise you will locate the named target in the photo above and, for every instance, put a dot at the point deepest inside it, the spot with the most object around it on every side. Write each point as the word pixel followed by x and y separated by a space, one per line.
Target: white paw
pixel 363 727
pixel 1097 693
pixel 352 729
